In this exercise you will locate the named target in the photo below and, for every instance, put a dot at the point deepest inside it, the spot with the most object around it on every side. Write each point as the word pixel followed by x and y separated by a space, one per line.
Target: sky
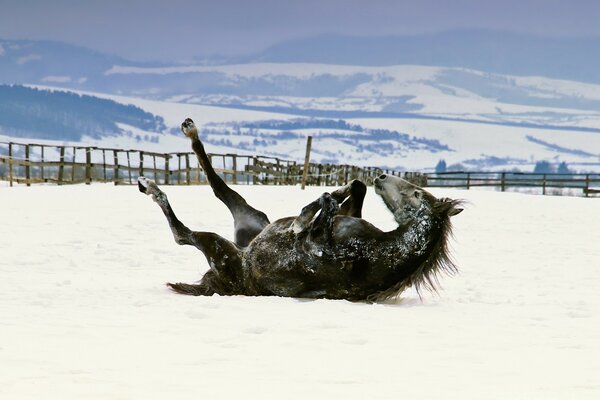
pixel 149 30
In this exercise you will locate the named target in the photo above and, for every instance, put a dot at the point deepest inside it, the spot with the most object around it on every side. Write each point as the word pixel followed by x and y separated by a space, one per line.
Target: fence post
pixel 544 185
pixel 88 165
pixel 503 183
pixel 154 166
pixel 587 185
pixel 129 166
pixel 116 167
pixel 27 166
pixel 255 174
pixel 188 171
pixel 167 171
pixel 141 173
pixel 61 165
pixel 306 161
pixel 468 180
pixel 42 165
pixel 104 164
pixel 73 164
pixel 10 164
pixel 234 168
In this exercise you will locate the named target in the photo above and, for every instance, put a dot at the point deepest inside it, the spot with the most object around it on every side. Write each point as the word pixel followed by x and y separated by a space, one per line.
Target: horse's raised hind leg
pixel 247 221
pixel 351 197
pixel 224 257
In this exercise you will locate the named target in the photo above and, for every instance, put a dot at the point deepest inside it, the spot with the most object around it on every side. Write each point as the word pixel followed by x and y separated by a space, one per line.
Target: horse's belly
pixel 273 264
pixel 279 262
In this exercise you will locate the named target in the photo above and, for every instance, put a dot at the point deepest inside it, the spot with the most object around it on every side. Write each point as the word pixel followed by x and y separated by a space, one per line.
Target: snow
pixel 56 79
pixel 471 142
pixel 427 85
pixel 28 58
pixel 84 312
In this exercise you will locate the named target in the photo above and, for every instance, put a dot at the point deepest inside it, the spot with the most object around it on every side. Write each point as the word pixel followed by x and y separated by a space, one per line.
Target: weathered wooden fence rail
pixel 38 163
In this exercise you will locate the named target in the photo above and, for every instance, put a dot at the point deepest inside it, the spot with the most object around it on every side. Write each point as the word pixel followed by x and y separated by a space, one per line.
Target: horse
pixel 328 250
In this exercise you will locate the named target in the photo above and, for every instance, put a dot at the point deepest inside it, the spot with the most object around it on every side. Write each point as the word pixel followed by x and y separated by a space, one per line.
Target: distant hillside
pixel 491 51
pixel 338 141
pixel 32 113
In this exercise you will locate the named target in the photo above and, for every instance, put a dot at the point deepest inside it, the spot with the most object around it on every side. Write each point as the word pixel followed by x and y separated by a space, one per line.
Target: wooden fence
pixel 587 184
pixel 38 163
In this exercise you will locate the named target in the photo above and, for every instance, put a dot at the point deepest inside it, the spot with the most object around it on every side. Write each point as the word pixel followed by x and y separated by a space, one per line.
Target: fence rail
pixel 40 163
pixel 587 184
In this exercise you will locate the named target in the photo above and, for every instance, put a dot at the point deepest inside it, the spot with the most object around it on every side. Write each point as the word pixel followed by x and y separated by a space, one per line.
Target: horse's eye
pixel 417 194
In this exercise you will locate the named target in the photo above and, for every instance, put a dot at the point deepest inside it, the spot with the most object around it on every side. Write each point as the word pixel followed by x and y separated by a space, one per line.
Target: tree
pixel 563 168
pixel 543 167
pixel 440 167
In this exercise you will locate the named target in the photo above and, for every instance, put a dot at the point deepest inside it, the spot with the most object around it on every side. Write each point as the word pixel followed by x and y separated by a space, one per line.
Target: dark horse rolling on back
pixel 328 251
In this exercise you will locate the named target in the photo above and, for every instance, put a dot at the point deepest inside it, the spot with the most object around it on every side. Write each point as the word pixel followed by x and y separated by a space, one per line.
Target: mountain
pixel 312 89
pixel 408 116
pixel 59 115
pixel 572 58
pixel 31 61
pixel 338 91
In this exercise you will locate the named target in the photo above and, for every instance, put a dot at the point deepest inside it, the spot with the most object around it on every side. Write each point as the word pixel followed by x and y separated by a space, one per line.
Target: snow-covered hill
pixel 413 142
pixel 434 91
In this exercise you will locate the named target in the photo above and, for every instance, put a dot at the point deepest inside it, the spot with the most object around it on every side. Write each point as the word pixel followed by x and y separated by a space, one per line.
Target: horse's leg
pixel 224 257
pixel 323 224
pixel 351 198
pixel 321 230
pixel 302 221
pixel 247 221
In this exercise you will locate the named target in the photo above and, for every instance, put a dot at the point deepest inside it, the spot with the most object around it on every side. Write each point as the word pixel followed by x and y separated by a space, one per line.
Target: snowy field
pixel 84 313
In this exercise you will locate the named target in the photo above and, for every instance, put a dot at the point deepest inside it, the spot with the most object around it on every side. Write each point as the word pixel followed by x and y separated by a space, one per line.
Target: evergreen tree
pixel 543 167
pixel 563 168
pixel 440 167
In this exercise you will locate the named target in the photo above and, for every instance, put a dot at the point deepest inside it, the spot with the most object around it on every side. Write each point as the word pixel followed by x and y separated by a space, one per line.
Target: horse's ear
pixel 451 206
pixel 455 211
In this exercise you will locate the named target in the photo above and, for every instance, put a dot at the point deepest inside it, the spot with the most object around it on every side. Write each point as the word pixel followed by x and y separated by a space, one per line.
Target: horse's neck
pixel 414 235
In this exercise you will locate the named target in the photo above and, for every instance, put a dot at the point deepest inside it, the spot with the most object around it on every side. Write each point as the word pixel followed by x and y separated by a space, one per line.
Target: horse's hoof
pixel 143 184
pixel 189 128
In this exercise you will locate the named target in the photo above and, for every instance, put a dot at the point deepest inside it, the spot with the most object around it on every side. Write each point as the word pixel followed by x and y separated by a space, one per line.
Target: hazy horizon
pixel 181 31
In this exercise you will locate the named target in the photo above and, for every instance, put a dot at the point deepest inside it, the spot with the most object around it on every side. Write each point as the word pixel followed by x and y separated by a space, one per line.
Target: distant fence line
pixel 40 163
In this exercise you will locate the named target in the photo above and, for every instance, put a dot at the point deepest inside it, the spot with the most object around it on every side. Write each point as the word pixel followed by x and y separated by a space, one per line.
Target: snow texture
pixel 84 313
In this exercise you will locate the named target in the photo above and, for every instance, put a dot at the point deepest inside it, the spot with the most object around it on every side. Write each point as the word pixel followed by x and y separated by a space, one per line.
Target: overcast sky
pixel 177 29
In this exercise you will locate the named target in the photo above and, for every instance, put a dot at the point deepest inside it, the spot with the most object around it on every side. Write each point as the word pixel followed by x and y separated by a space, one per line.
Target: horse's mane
pixel 439 260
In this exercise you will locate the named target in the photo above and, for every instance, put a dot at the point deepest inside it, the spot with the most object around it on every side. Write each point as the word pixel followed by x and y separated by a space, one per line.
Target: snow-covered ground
pixel 84 313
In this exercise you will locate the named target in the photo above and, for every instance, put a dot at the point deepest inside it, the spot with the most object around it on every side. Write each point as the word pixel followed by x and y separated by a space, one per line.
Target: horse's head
pixel 407 201
pixel 429 217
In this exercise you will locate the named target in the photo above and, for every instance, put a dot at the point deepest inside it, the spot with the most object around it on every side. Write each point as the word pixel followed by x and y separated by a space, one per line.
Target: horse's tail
pixel 192 290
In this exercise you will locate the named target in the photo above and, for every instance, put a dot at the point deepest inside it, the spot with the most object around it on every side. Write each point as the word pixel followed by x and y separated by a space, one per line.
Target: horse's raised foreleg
pixel 224 257
pixel 321 230
pixel 302 221
pixel 322 227
pixel 351 198
pixel 248 221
